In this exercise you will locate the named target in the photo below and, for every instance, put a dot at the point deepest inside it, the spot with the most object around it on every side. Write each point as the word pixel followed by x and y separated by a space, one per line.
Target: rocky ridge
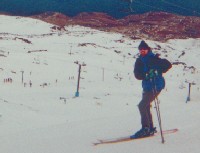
pixel 159 26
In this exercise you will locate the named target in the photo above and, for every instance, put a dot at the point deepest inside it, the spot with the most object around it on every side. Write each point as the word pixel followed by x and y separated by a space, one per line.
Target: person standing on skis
pixel 149 68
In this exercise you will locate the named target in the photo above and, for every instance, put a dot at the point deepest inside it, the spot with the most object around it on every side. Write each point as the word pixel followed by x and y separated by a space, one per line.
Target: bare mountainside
pixel 159 26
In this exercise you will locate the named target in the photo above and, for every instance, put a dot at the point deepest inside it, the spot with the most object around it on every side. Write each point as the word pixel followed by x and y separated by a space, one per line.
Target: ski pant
pixel 145 108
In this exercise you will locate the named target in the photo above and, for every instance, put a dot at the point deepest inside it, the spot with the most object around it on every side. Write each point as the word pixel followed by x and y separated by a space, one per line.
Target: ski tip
pixel 95 144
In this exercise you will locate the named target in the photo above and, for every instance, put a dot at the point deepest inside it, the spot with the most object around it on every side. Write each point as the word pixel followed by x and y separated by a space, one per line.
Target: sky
pixel 46 117
pixel 115 8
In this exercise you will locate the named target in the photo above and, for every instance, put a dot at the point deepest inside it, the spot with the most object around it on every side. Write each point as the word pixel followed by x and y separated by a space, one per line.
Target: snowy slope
pixel 47 118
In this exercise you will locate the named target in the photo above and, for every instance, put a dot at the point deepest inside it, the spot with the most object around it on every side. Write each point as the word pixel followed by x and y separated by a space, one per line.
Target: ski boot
pixel 153 130
pixel 144 132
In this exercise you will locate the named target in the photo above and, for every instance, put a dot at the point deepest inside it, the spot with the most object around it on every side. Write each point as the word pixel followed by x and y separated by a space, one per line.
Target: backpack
pixel 154 84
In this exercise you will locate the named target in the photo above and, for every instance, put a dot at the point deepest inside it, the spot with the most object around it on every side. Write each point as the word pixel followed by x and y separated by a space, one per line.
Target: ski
pixel 127 138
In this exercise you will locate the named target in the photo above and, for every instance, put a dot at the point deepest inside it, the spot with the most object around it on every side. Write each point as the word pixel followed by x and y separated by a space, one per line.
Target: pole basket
pixel 188 99
pixel 77 94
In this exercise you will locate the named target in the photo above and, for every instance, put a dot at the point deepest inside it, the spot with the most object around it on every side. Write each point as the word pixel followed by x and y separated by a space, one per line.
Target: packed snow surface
pixel 39 112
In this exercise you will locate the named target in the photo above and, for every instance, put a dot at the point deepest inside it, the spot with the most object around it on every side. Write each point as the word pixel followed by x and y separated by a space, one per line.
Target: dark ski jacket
pixel 151 61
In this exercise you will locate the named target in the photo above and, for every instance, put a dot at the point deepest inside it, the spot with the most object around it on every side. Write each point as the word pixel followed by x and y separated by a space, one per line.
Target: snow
pixel 48 118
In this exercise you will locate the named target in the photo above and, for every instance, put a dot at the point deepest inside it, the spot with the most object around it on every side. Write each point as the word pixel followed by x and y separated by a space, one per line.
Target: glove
pixel 151 74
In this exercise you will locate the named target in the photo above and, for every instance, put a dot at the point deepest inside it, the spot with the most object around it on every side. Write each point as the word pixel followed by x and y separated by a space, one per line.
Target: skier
pixel 149 68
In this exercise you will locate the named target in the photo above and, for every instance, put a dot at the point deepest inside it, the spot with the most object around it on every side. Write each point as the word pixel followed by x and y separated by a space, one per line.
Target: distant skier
pixel 149 68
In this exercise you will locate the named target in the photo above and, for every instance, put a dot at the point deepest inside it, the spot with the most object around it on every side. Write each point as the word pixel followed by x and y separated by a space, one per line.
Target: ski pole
pixel 188 97
pixel 157 110
pixel 159 118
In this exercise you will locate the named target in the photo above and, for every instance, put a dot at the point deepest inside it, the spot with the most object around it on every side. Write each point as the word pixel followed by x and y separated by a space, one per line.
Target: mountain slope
pixel 45 117
pixel 159 26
